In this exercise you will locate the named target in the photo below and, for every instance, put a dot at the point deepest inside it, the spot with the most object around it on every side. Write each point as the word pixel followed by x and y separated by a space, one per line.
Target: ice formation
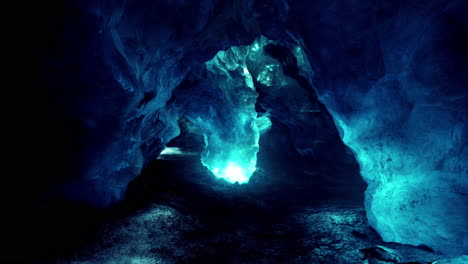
pixel 232 128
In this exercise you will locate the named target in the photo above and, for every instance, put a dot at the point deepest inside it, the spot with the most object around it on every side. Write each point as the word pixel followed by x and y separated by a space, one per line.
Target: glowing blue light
pixel 171 151
pixel 232 131
pixel 232 173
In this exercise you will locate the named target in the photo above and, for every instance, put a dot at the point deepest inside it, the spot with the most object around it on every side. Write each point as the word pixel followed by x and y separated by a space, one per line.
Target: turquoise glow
pixel 232 173
pixel 233 128
pixel 232 135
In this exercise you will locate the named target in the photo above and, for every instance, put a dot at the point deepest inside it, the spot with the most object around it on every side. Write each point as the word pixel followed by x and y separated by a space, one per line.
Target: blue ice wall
pixel 391 73
pixel 394 77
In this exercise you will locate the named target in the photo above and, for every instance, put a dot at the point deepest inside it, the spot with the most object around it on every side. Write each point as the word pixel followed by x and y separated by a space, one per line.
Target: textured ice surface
pixel 398 96
pixel 416 171
pixel 232 127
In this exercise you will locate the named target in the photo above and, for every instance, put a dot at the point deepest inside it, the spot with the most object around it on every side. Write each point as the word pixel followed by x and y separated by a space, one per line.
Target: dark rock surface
pixel 164 234
pixel 182 219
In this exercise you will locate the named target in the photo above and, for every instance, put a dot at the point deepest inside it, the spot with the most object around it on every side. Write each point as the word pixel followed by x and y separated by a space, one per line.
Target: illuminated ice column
pixel 232 127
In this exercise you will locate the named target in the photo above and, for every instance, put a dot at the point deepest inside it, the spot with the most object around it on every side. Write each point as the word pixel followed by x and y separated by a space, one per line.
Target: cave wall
pixel 391 73
pixel 393 76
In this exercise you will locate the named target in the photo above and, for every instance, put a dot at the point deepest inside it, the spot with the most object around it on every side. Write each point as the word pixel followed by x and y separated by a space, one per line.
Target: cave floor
pixel 176 220
pixel 164 234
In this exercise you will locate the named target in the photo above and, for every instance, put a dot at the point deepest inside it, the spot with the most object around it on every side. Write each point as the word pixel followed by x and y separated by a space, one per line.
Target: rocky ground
pixel 164 234
pixel 189 222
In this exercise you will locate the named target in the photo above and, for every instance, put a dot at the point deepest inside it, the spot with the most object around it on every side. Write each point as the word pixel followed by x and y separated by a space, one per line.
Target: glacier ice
pixel 398 97
pixel 232 128
pixel 416 181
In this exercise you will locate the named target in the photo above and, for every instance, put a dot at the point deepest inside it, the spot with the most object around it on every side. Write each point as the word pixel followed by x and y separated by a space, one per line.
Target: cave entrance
pixel 254 118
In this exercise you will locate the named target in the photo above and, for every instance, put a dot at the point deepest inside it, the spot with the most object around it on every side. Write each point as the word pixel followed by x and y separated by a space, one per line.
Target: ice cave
pixel 240 131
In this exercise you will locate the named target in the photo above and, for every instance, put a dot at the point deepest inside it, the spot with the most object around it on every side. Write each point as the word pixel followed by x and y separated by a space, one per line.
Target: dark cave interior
pixel 214 131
